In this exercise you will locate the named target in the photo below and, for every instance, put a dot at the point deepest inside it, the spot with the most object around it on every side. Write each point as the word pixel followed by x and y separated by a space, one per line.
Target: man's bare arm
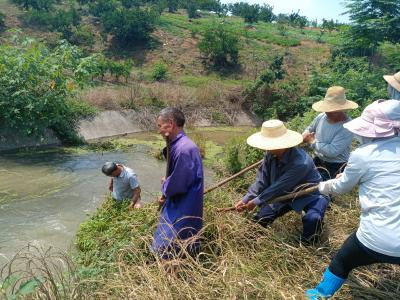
pixel 135 202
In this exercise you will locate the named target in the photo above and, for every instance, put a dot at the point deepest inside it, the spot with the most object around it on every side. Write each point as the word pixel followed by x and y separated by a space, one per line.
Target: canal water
pixel 45 195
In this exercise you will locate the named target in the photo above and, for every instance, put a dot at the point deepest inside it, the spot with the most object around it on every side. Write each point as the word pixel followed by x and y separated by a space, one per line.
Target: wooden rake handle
pixel 221 183
pixel 290 196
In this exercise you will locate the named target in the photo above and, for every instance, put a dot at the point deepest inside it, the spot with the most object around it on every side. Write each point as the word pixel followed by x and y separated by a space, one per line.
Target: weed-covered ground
pixel 238 260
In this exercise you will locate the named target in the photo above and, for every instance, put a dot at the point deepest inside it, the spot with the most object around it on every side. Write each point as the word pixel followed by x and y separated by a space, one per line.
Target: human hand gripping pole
pixel 298 191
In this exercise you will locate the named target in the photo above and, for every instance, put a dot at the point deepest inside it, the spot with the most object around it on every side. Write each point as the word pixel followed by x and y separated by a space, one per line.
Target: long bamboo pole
pixel 290 196
pixel 233 177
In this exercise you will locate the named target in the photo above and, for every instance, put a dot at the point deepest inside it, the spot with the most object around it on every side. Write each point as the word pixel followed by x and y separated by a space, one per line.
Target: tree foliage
pixel 191 9
pixel 362 84
pixel 249 12
pixel 36 85
pixel 266 13
pixel 172 5
pixel 130 25
pixel 373 22
pixel 44 5
pixel 220 45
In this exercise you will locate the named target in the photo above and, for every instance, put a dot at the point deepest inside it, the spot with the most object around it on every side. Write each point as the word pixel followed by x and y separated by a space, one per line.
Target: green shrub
pixel 36 88
pixel 64 20
pixel 40 5
pixel 130 25
pixel 82 36
pixel 220 45
pixel 37 18
pixel 172 5
pixel 363 84
pixel 232 161
pixel 159 71
pixel 282 29
pixel 391 55
pixel 102 7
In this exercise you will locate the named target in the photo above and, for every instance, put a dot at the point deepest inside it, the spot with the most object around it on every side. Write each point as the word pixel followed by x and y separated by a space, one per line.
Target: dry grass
pixel 239 260
pixel 37 273
pixel 205 105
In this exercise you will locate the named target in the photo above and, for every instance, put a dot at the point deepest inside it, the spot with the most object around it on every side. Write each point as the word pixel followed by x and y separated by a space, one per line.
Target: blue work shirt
pixel 182 214
pixel 277 177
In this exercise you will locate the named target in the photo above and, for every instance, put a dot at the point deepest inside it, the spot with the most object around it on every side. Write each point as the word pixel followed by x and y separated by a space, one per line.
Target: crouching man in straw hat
pixel 375 166
pixel 326 135
pixel 393 85
pixel 284 168
pixel 124 184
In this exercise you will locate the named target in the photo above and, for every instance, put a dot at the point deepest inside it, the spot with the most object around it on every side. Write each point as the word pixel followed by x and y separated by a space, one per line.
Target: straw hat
pixel 393 80
pixel 274 135
pixel 335 100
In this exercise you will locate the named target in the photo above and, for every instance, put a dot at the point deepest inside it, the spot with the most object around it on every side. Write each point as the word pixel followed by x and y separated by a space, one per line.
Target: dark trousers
pixel 353 254
pixel 312 220
pixel 328 170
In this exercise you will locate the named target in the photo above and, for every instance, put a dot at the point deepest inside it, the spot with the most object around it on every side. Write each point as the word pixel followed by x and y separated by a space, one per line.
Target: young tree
pixel 220 45
pixel 250 13
pixel 214 5
pixel 129 25
pixel 266 13
pixel 191 9
pixel 172 5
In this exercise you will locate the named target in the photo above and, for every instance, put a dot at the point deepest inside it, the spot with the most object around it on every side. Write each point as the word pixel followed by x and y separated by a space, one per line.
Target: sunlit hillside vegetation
pixel 64 60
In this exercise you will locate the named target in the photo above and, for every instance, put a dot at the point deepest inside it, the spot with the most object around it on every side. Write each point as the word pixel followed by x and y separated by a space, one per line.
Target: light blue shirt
pixel 124 184
pixel 375 166
pixel 332 141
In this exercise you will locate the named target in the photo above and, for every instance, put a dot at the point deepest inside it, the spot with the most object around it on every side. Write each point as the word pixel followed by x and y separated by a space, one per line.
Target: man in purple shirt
pixel 182 189
pixel 284 168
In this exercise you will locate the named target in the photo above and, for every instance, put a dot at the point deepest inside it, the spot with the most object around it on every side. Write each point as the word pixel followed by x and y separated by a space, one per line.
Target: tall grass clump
pixel 38 273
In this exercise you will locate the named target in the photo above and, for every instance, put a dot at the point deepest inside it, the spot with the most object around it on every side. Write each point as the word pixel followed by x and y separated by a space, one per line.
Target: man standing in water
pixel 182 189
pixel 123 184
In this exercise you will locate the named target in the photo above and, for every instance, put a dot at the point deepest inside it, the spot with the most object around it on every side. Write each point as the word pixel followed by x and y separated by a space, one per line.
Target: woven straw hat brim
pixel 392 81
pixel 288 140
pixel 325 106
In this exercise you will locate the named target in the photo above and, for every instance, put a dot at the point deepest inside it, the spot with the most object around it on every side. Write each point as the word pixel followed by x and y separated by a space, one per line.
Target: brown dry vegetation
pixel 198 103
pixel 239 260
